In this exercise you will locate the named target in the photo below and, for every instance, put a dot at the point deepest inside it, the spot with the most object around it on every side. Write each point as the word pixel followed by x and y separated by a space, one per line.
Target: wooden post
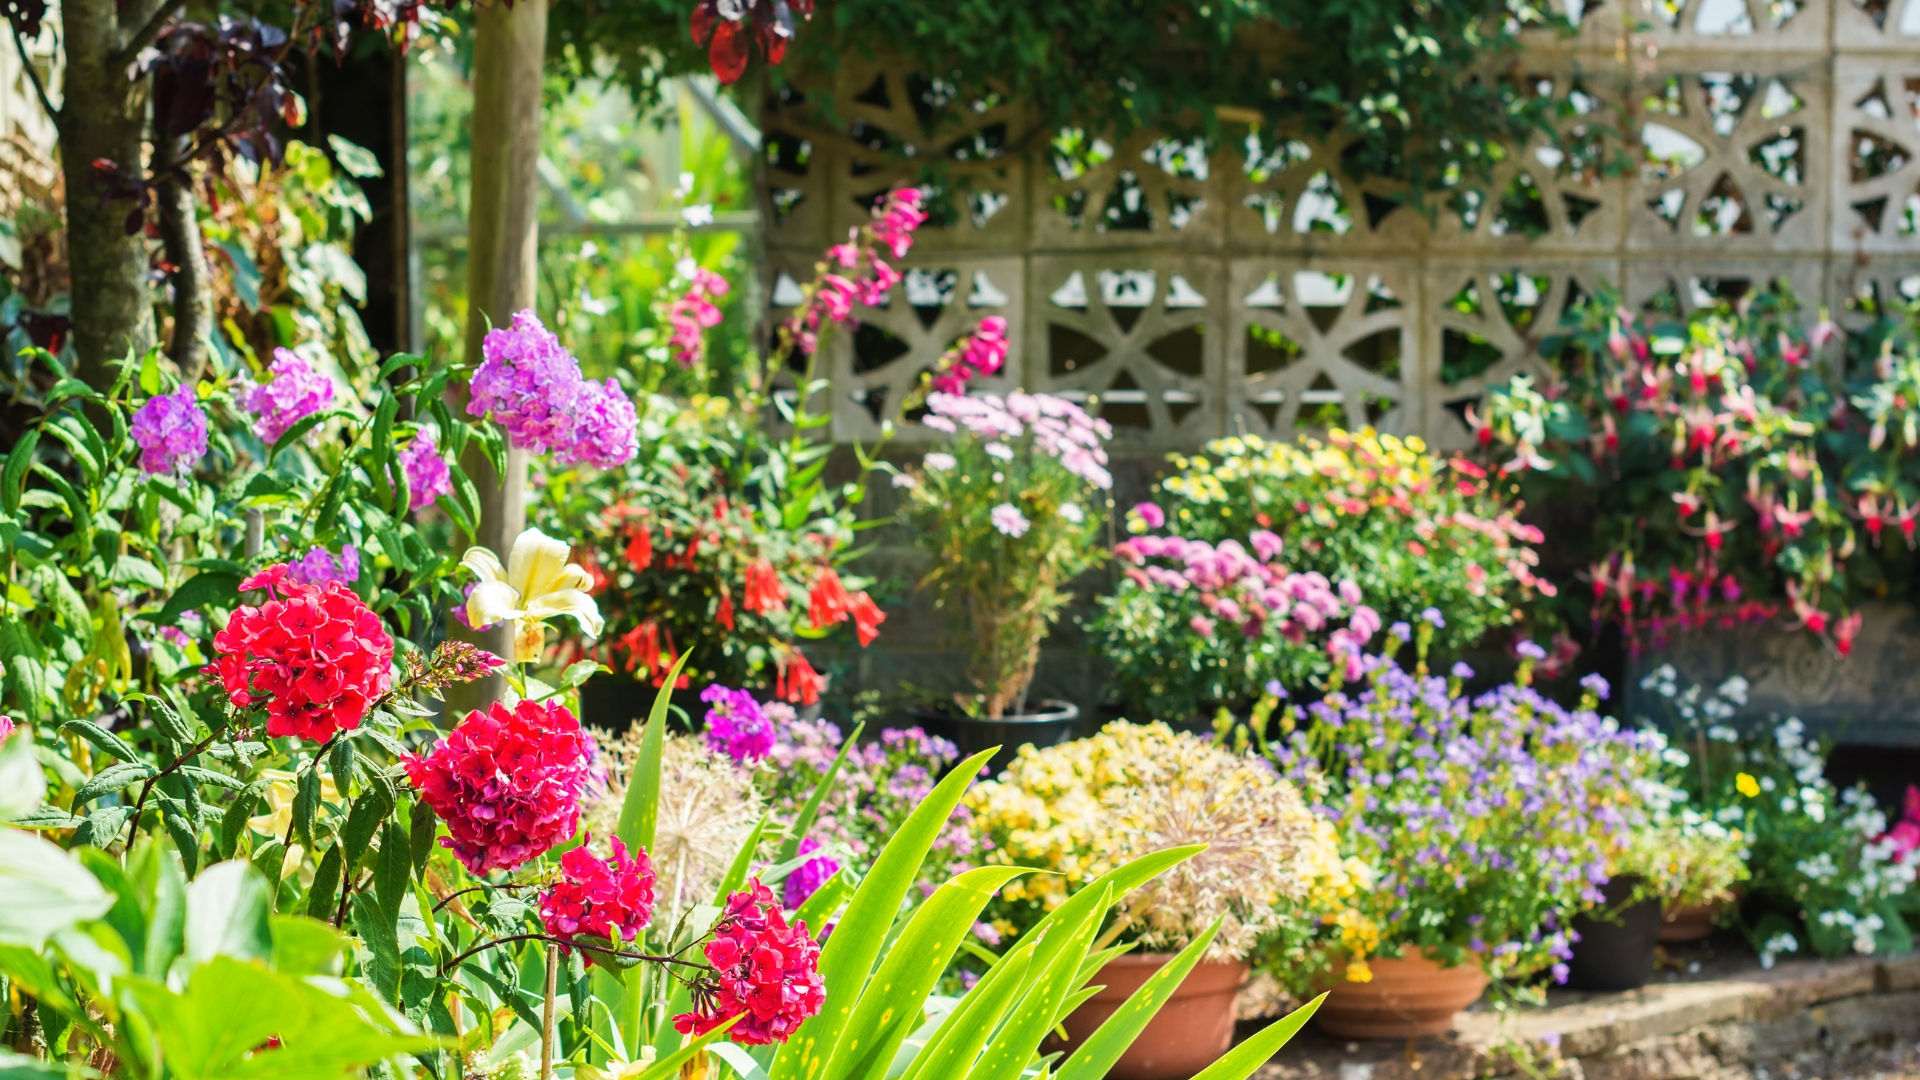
pixel 503 234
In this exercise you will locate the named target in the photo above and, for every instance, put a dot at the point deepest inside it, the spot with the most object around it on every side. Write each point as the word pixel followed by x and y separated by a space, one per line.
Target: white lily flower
pixel 537 584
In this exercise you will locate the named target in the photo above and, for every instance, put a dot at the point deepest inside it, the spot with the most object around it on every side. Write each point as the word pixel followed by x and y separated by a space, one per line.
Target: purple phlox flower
pixel 428 476
pixel 807 878
pixel 528 382
pixel 986 933
pixel 292 392
pixel 1401 631
pixel 1274 689
pixel 606 430
pixel 1596 684
pixel 1432 615
pixel 1461 670
pixel 1528 649
pixel 171 430
pixel 319 566
pixel 736 725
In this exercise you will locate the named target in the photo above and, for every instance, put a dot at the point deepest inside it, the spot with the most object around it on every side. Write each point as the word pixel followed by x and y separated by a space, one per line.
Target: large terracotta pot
pixel 1406 998
pixel 1192 1029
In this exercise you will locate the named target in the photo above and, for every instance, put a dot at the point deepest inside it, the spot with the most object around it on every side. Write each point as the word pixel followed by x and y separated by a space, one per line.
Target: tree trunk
pixel 509 46
pixel 191 278
pixel 102 118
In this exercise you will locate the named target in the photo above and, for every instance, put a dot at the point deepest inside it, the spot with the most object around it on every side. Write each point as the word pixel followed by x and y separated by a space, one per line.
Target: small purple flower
pixel 606 434
pixel 292 392
pixel 171 430
pixel 1275 690
pixel 736 726
pixel 319 566
pixel 1529 650
pixel 1009 520
pixel 1432 616
pixel 1596 684
pixel 1152 515
pixel 428 477
pixel 1401 631
pixel 807 878
pixel 1461 670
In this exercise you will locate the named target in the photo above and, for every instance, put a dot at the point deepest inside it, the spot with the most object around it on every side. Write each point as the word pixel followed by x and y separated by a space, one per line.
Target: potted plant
pixel 1009 513
pixel 1084 807
pixel 1490 822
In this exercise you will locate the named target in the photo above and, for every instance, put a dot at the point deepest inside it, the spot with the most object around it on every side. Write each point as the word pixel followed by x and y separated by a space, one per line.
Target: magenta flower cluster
pixel 507 782
pixel 1059 428
pixel 293 391
pixel 694 313
pixel 428 476
pixel 736 726
pixel 807 878
pixel 319 566
pixel 867 277
pixel 983 352
pixel 171 431
pixel 532 387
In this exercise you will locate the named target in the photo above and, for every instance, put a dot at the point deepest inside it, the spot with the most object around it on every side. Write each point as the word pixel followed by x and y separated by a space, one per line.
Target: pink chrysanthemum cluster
pixel 599 897
pixel 171 431
pixel 1060 428
pixel 982 352
pixel 736 726
pixel 533 388
pixel 428 476
pixel 694 313
pixel 319 566
pixel 764 971
pixel 293 391
pixel 1252 591
pixel 868 277
pixel 317 654
pixel 507 782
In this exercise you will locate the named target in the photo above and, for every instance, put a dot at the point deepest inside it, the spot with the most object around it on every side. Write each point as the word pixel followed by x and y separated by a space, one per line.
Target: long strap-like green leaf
pixel 1006 1057
pixel 1095 1056
pixel 1240 1062
pixel 912 965
pixel 952 1048
pixel 640 813
pixel 1120 880
pixel 847 959
pixel 790 847
pixel 669 1066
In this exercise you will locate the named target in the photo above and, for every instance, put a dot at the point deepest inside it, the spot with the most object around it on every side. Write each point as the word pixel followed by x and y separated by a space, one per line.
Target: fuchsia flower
pixel 171 430
pixel 899 216
pixel 693 314
pixel 507 782
pixel 428 476
pixel 982 352
pixel 765 972
pixel 600 898
pixel 292 392
pixel 6 728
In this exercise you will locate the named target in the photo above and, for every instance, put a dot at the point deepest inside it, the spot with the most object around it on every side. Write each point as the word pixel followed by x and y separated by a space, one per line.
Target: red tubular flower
pixel 725 614
pixel 764 971
pixel 317 655
pixel 829 602
pixel 867 618
pixel 599 897
pixel 763 592
pixel 640 548
pixel 796 682
pixel 507 782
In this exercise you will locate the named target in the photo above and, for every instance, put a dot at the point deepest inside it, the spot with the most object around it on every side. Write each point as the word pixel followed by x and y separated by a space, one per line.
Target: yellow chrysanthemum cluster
pixel 1080 809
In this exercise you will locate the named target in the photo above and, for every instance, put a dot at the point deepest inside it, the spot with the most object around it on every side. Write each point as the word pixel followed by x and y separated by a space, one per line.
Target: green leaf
pixel 165 717
pixel 391 873
pixel 1241 1061
pixel 15 473
pixel 326 884
pixel 306 946
pixel 101 738
pixel 181 828
pixel 951 1051
pixel 669 1066
pixel 62 428
pixel 197 592
pixel 23 785
pixel 227 914
pixel 1093 1058
pixel 365 816
pixel 803 822
pixel 742 861
pixel 306 804
pixel 357 160
pixel 246 280
pixel 340 764
pixel 640 813
pixel 826 899
pixel 112 778
pixel 43 890
pixel 1006 1056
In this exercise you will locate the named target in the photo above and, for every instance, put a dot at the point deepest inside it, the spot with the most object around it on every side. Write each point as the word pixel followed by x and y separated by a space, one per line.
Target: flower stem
pixel 546 1019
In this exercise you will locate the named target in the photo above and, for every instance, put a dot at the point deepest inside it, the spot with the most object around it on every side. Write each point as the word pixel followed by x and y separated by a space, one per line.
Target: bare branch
pixel 144 36
pixel 33 73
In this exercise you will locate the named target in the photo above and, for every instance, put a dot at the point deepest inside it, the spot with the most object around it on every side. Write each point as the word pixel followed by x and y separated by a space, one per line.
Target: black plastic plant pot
pixel 1052 725
pixel 1617 954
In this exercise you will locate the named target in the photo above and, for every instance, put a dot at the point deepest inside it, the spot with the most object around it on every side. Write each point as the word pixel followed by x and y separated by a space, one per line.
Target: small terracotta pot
pixel 1690 923
pixel 1189 1032
pixel 1408 997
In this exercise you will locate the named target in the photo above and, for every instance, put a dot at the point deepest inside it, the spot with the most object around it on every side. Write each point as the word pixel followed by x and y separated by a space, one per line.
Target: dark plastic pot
pixel 1051 726
pixel 1617 954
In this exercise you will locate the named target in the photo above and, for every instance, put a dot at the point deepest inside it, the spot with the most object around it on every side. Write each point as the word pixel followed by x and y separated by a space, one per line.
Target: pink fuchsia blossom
pixel 764 971
pixel 6 728
pixel 293 391
pixel 507 782
pixel 1008 519
pixel 428 476
pixel 982 352
pixel 898 217
pixel 319 566
pixel 171 431
pixel 604 899
pixel 694 313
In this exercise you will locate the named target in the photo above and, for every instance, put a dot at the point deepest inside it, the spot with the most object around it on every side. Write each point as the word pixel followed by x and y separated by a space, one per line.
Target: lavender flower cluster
pixel 292 392
pixel 533 388
pixel 171 431
pixel 1060 429
pixel 1490 822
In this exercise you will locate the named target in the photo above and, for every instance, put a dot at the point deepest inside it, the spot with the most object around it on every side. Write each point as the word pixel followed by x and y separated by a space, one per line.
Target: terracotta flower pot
pixel 1192 1029
pixel 1408 997
pixel 1690 923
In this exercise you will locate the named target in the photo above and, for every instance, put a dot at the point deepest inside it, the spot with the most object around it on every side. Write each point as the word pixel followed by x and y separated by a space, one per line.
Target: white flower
pixel 939 462
pixel 537 584
pixel 1000 450
pixel 902 480
pixel 697 215
pixel 1073 513
pixel 1009 520
pixel 685 268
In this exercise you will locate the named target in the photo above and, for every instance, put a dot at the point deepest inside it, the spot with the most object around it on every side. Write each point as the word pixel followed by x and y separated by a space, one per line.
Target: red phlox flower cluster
pixel 830 603
pixel 507 782
pixel 693 314
pixel 316 654
pixel 600 897
pixel 764 971
pixel 983 352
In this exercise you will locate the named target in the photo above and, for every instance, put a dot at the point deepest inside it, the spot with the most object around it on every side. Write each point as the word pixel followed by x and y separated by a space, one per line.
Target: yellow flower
pixel 1747 785
pixel 1359 972
pixel 278 819
pixel 537 584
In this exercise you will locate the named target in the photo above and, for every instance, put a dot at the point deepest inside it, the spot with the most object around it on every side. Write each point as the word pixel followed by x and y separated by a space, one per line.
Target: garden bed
pixel 1726 1019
